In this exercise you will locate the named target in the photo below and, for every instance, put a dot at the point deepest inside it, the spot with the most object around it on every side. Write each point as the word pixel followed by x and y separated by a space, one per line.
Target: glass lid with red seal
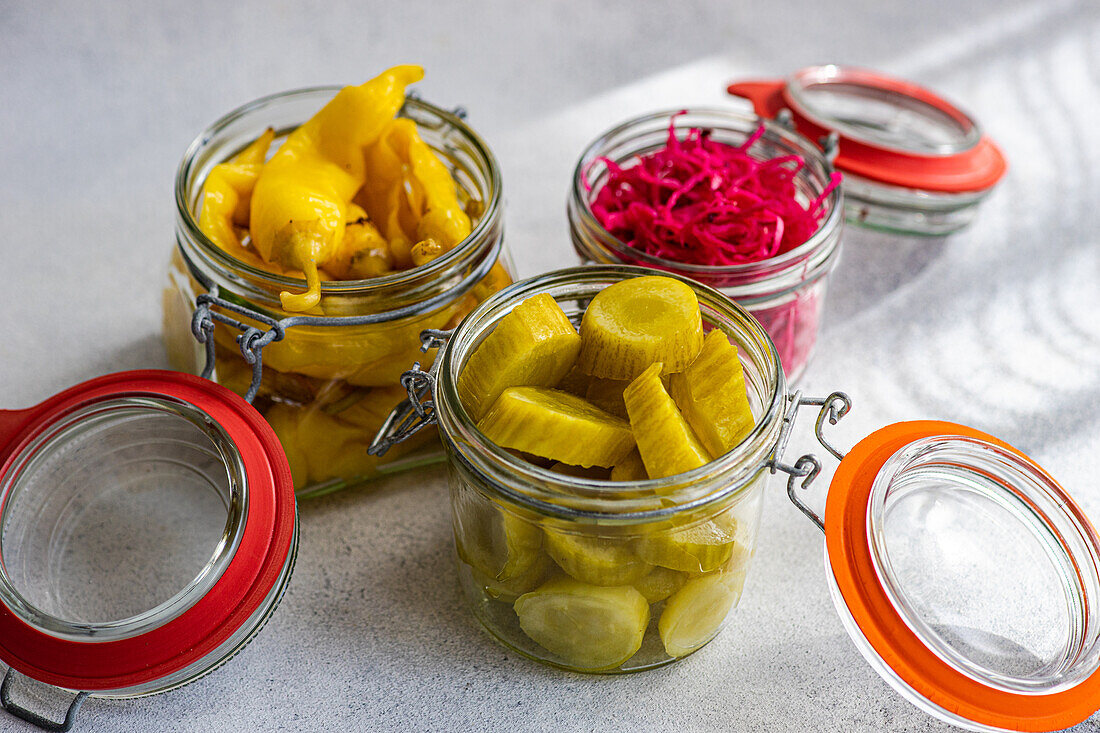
pixel 148 529
pixel 913 162
pixel 965 575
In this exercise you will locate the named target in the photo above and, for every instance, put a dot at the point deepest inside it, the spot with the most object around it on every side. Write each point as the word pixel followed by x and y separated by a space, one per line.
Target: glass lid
pixel 968 578
pixel 147 521
pixel 878 110
pixel 884 131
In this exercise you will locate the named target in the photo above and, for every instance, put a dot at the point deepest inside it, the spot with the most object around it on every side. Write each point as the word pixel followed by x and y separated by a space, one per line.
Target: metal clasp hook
pixel 32 717
pixel 417 411
pixel 833 408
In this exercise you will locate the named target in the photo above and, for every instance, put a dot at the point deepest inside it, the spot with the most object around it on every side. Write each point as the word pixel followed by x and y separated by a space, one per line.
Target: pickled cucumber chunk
pixel 666 442
pixel 711 395
pixel 630 468
pixel 534 345
pixel 636 322
pixel 509 590
pixel 587 627
pixel 496 542
pixel 555 424
pixel 607 394
pixel 694 614
pixel 701 548
pixel 595 560
pixel 659 583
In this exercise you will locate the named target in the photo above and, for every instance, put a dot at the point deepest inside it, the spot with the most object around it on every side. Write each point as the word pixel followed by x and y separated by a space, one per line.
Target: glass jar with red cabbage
pixel 727 199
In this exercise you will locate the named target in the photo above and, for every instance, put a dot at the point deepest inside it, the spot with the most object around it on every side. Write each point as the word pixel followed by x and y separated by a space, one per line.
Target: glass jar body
pixel 600 576
pixel 327 387
pixel 785 293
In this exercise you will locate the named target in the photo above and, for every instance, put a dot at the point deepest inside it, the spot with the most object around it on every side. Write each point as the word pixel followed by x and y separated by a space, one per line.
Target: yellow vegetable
pixel 555 424
pixel 666 442
pixel 300 201
pixel 711 394
pixel 586 626
pixel 595 560
pixel 694 614
pixel 630 468
pixel 639 321
pixel 659 583
pixel 227 194
pixel 701 548
pixel 534 345
pixel 500 544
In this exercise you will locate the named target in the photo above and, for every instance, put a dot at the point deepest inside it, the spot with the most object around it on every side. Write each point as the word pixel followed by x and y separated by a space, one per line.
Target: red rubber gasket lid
pixel 974 166
pixel 893 640
pixel 266 543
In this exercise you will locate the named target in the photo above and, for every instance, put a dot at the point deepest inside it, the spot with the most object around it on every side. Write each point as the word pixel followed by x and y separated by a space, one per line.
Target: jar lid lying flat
pixel 147 529
pixel 912 160
pixel 967 577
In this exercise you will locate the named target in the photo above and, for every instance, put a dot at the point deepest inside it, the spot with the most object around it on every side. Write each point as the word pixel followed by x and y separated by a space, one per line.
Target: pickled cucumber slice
pixel 507 591
pixel 498 543
pixel 587 627
pixel 607 394
pixel 711 395
pixel 660 583
pixel 694 614
pixel 630 468
pixel 701 548
pixel 636 322
pixel 574 382
pixel 594 473
pixel 555 424
pixel 666 442
pixel 595 560
pixel 534 345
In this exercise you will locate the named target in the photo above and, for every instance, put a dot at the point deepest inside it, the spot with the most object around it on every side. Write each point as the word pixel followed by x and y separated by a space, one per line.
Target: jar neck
pixel 440 282
pixel 748 282
pixel 608 502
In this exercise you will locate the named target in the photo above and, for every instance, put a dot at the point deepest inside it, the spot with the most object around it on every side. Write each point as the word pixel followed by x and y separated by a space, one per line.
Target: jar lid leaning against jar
pixel 325 378
pixel 785 290
pixel 964 574
pixel 913 161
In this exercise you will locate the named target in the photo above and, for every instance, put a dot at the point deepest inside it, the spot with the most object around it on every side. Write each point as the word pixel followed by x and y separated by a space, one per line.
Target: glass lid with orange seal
pixel 965 575
pixel 913 162
pixel 148 529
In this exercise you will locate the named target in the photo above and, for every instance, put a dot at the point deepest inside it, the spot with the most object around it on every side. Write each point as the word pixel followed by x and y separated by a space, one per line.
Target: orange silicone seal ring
pixel 846 537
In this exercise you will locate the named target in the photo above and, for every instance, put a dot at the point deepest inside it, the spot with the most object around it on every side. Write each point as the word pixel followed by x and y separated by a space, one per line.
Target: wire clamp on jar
pixel 252 340
pixel 32 717
pixel 417 411
pixel 834 407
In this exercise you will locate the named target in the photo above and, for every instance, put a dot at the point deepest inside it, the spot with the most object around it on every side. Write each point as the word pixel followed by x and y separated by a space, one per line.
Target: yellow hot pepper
pixel 227 194
pixel 300 201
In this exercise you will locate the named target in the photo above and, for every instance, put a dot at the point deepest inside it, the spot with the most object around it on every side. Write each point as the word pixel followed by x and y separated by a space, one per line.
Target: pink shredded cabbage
pixel 702 202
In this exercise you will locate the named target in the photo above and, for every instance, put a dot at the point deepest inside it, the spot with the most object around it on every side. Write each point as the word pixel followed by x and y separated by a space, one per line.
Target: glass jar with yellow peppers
pixel 330 366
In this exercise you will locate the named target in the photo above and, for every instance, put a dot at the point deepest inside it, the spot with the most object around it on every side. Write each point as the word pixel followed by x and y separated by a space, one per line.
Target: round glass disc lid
pixel 888 131
pixel 968 578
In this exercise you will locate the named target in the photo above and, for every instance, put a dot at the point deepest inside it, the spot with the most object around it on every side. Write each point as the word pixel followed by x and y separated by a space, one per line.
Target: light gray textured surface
pixel 995 327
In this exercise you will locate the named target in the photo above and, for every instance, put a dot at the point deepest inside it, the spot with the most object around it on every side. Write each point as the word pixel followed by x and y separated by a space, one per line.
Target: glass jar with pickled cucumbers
pixel 330 373
pixel 588 563
pixel 784 292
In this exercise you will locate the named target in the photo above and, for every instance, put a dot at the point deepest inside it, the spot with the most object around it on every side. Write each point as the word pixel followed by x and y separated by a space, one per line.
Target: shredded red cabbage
pixel 702 202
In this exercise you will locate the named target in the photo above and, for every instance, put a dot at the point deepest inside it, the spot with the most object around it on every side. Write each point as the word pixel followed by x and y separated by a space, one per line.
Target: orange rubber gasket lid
pixel 846 537
pixel 975 169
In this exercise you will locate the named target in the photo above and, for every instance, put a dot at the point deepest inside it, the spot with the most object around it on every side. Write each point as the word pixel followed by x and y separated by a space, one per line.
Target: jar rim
pixel 820 242
pixel 448 260
pixel 739 466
